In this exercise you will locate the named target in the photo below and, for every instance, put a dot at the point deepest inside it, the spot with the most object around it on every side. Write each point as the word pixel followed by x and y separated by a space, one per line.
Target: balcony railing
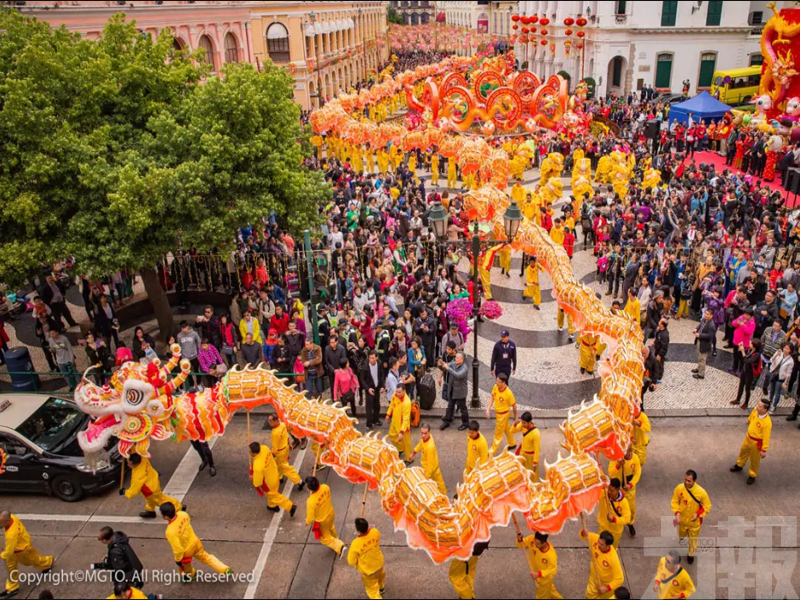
pixel 620 19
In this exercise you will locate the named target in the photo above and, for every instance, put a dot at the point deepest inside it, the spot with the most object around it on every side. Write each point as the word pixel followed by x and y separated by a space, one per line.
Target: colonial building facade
pixel 627 45
pixel 327 46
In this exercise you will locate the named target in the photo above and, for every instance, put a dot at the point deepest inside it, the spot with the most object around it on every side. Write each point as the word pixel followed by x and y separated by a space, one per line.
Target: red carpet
pixel 719 164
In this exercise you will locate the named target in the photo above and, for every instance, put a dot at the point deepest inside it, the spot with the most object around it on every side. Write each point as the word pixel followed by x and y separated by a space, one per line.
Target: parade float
pixel 141 404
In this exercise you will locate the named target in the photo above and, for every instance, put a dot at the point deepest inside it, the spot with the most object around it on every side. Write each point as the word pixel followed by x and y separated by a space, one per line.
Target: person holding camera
pixel 120 558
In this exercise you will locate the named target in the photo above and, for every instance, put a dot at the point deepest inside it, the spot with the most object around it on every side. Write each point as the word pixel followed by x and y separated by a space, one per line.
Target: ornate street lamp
pixel 512 219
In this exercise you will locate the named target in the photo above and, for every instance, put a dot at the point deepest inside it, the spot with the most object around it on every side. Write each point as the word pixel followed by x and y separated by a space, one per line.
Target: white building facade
pixel 628 45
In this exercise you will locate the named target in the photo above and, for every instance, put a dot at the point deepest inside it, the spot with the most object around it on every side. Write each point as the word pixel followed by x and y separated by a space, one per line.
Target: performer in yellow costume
pixel 186 545
pixel 266 479
pixel 504 254
pixel 412 165
pixel 430 458
pixel 641 427
pixel 435 169
pixel 366 556
pixel 145 481
pixel 532 288
pixel 690 504
pixel 477 448
pixel 629 472
pixel 19 550
pixel 613 511
pixel 399 415
pixel 321 516
pixel 280 451
pixel 452 175
pixel 543 562
pixel 588 343
pixel 518 192
pixel 504 405
pixel 530 447
pixel 672 580
pixel 570 325
pixel 756 441
pixel 462 572
pixel 606 573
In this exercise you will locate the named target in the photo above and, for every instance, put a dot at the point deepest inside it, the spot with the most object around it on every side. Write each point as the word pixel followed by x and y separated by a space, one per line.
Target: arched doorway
pixel 615 78
pixel 328 93
pixel 178 44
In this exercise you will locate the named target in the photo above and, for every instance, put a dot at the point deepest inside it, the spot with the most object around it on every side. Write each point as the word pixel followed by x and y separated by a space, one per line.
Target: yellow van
pixel 736 86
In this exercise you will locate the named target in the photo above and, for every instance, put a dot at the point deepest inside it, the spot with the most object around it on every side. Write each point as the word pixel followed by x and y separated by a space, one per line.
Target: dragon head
pixel 134 406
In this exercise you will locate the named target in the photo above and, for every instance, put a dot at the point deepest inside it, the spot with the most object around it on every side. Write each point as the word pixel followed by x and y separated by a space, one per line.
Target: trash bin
pixel 18 361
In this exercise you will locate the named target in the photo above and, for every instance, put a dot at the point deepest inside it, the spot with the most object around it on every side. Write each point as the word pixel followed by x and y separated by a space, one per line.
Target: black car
pixel 39 437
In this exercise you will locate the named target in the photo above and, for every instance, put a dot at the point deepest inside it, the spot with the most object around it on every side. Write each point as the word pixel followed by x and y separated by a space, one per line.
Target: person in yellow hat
pixel 690 504
pixel 366 556
pixel 430 458
pixel 613 511
pixel 145 482
pixel 756 440
pixel 530 447
pixel 543 563
pixel 435 169
pixel 606 573
pixel 186 545
pixel 321 516
pixel 462 572
pixel 399 417
pixel 629 472
pixel 280 451
pixel 266 479
pixel 504 404
pixel 672 580
pixel 477 448
pixel 19 550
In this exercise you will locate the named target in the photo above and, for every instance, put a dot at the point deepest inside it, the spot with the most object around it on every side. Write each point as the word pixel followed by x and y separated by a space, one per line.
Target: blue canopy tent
pixel 702 106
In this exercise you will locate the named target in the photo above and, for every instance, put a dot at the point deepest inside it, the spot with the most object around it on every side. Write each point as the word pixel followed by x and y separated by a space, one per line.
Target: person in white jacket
pixel 780 371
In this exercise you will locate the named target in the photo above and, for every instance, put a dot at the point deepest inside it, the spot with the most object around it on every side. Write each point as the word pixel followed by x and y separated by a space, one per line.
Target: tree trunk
pixel 158 299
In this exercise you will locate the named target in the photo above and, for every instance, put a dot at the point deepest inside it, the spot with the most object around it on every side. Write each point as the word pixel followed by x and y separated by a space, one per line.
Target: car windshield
pixel 52 424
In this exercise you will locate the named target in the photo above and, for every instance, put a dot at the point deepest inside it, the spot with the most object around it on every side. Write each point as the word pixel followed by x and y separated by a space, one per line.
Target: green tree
pixel 393 16
pixel 117 150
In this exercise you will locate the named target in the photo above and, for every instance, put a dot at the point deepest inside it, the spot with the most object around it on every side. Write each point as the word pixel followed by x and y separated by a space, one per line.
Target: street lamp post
pixel 511 222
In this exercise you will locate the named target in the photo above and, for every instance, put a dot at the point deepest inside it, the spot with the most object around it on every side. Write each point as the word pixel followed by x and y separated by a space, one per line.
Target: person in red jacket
pixel 279 321
pixel 569 241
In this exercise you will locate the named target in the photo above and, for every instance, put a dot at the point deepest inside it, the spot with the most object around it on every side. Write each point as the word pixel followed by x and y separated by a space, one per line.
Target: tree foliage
pixel 393 16
pixel 116 150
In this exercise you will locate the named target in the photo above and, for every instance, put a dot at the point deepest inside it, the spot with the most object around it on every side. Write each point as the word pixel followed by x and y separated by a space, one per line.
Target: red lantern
pixel 581 22
pixel 515 18
pixel 534 19
pixel 569 21
pixel 515 27
pixel 553 48
pixel 523 38
pixel 525 30
pixel 544 21
pixel 579 45
pixel 544 32
pixel 543 42
pixel 526 20
pixel 581 34
pixel 568 32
